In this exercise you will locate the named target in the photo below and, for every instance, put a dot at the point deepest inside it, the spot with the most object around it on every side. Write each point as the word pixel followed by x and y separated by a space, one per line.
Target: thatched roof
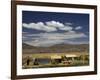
pixel 71 55
pixel 55 57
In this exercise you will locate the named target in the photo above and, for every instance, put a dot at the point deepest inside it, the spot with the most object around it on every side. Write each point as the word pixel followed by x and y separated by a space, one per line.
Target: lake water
pixel 44 61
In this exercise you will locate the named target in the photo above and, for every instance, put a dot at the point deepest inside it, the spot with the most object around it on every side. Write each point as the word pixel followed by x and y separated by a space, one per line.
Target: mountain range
pixel 58 48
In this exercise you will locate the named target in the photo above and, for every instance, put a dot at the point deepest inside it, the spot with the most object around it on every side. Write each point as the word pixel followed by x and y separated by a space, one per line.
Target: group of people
pixel 29 60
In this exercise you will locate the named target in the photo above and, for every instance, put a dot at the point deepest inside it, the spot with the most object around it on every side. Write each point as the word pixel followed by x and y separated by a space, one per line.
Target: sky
pixel 44 29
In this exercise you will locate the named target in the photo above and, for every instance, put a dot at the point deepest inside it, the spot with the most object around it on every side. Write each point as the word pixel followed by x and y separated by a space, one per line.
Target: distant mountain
pixel 70 45
pixel 26 46
pixel 58 48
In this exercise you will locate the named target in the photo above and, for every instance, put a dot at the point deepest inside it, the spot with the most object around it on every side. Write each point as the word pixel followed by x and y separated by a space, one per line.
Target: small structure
pixel 69 59
pixel 55 59
pixel 71 56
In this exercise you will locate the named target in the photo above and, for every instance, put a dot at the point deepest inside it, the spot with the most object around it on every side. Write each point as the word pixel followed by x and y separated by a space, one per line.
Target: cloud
pixel 78 28
pixel 54 24
pixel 52 34
pixel 24 32
pixel 48 26
pixel 44 43
pixel 67 35
pixel 39 26
pixel 77 42
pixel 49 39
pixel 68 23
pixel 72 31
pixel 66 28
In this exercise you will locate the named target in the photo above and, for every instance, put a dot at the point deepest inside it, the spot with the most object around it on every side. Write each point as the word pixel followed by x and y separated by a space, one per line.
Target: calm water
pixel 44 61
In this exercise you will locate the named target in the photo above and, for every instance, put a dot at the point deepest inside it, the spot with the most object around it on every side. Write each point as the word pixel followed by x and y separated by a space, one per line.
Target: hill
pixel 59 48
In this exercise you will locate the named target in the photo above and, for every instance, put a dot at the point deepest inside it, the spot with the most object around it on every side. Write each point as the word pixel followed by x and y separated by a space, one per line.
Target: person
pixel 36 62
pixel 28 60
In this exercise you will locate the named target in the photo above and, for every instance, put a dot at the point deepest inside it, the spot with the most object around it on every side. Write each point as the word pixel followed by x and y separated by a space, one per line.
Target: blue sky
pixel 50 28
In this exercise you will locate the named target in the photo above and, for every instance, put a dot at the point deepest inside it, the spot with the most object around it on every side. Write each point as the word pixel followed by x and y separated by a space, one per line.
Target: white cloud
pixel 48 26
pixel 44 42
pixel 66 28
pixel 72 31
pixel 67 35
pixel 78 28
pixel 24 37
pixel 49 39
pixel 25 25
pixel 77 42
pixel 39 26
pixel 25 33
pixel 54 24
pixel 68 23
